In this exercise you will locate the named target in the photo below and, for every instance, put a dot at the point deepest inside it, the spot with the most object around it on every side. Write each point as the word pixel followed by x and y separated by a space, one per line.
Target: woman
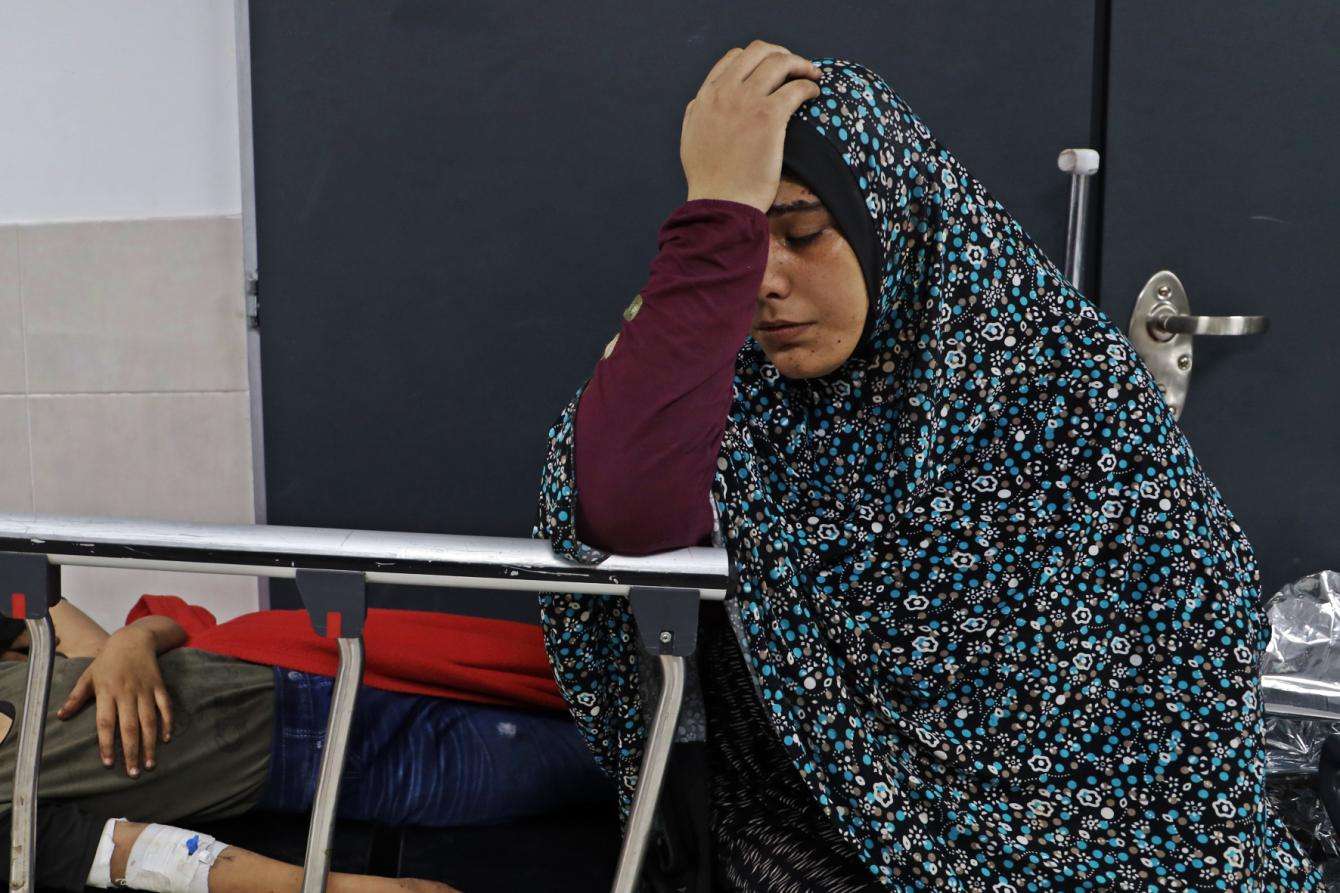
pixel 1002 627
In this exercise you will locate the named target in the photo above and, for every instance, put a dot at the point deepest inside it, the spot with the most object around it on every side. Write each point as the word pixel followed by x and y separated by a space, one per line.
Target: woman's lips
pixel 784 333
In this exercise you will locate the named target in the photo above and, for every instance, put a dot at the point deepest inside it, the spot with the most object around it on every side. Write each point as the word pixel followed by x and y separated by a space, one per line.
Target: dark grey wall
pixel 457 200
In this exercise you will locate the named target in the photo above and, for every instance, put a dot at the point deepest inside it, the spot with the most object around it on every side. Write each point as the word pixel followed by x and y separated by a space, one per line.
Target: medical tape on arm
pixel 164 859
pixel 100 874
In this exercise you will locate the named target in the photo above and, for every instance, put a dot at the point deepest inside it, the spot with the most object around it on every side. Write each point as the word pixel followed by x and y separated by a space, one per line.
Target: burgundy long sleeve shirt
pixel 650 422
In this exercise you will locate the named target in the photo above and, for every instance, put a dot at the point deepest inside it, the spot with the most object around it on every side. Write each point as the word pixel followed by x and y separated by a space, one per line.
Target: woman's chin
pixel 800 359
pixel 794 369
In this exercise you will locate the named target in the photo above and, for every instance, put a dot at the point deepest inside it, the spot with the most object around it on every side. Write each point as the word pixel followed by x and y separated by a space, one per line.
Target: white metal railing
pixel 331 568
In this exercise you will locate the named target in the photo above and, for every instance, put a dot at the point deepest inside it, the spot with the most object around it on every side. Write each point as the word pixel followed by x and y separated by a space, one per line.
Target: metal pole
pixel 33 586
pixel 1074 247
pixel 652 775
pixel 316 864
pixel 336 603
pixel 423 559
pixel 1081 164
pixel 28 762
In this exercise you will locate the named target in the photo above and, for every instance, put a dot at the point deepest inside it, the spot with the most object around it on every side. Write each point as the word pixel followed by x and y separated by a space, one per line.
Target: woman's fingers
pixel 164 703
pixel 791 94
pixel 777 69
pixel 739 65
pixel 79 695
pixel 721 65
pixel 743 65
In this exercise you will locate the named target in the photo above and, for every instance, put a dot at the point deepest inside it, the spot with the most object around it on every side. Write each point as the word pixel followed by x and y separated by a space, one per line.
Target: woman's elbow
pixel 640 524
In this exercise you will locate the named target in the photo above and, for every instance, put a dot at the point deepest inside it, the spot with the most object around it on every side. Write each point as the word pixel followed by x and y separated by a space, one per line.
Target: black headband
pixel 809 155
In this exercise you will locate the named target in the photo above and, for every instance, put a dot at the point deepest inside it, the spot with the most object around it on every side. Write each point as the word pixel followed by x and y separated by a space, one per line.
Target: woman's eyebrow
pixel 791 207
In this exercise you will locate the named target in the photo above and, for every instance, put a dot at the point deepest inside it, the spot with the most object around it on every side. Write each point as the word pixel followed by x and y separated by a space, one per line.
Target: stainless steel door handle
pixel 1165 322
pixel 1163 329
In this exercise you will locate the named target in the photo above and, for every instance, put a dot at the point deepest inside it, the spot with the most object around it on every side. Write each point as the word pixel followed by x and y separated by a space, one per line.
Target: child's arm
pixel 236 870
pixel 79 634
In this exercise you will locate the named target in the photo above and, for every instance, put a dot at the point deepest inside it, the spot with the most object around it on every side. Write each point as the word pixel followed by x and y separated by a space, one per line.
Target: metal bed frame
pixel 332 568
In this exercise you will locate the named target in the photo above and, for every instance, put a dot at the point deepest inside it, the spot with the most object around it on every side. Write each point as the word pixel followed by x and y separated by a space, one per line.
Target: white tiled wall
pixel 137 306
pixel 123 388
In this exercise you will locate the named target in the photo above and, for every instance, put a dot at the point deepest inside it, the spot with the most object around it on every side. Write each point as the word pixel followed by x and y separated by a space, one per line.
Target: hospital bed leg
pixel 33 584
pixel 336 602
pixel 667 621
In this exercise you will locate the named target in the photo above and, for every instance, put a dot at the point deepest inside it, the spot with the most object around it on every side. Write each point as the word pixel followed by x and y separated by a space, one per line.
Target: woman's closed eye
pixel 807 239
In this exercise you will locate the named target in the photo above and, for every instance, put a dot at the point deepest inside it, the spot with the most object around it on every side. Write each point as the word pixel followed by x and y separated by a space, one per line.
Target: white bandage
pixel 100 875
pixel 165 859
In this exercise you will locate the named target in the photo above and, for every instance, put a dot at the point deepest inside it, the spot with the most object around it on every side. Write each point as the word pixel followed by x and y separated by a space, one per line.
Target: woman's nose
pixel 776 281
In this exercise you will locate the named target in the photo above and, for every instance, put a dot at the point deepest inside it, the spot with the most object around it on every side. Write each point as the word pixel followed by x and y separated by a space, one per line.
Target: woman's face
pixel 813 277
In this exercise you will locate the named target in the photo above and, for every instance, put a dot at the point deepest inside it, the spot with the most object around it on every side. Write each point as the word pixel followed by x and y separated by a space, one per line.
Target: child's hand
pixel 125 681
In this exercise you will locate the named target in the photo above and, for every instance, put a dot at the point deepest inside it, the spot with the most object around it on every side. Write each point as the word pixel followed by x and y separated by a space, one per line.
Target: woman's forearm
pixel 651 419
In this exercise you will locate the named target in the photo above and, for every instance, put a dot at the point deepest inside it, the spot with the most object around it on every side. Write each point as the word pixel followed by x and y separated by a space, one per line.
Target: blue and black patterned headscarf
pixel 999 617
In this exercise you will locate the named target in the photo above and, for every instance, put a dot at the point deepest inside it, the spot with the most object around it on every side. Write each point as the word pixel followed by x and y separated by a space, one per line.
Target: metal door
pixel 1219 166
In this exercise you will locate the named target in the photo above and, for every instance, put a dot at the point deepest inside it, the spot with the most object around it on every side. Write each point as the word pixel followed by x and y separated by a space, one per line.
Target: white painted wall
pixel 117 110
pixel 124 113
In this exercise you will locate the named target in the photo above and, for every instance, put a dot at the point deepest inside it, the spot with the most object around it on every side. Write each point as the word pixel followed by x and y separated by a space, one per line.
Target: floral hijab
pixel 998 615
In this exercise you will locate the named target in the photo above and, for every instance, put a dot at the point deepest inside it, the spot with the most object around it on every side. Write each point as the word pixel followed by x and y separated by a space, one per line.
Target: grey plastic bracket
pixel 667 618
pixel 336 601
pixel 31 585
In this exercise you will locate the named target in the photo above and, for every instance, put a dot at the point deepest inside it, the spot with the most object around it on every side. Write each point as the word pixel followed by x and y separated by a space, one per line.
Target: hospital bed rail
pixel 331 567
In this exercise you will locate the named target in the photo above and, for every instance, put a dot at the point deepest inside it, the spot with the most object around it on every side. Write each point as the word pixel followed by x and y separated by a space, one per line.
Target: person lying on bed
pixel 457 722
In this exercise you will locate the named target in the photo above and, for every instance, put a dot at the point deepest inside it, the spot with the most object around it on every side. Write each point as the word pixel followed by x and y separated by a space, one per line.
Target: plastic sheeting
pixel 1305 629
pixel 1294 745
pixel 1296 800
pixel 1300 671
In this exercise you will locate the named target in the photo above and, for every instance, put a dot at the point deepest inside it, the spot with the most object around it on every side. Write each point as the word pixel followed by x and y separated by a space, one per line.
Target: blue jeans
pixel 418 760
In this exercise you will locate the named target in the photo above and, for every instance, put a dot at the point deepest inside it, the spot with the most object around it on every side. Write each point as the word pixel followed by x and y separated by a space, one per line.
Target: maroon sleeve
pixel 650 421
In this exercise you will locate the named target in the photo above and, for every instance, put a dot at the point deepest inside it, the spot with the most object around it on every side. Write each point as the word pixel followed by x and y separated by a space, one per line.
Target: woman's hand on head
pixel 125 681
pixel 734 129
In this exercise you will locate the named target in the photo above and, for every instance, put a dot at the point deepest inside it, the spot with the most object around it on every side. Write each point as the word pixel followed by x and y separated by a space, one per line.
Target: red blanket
pixel 417 652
